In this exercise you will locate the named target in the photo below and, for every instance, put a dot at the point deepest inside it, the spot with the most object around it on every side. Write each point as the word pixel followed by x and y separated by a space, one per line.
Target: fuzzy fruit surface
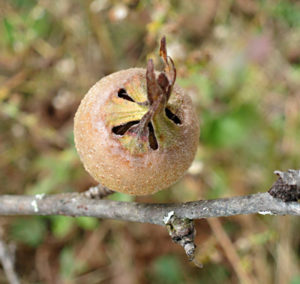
pixel 123 159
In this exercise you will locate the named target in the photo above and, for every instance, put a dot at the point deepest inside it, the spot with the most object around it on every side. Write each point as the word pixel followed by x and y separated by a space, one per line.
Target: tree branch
pixel 76 204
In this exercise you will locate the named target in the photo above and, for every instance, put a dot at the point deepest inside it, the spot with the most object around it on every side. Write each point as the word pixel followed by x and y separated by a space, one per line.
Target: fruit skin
pixel 106 159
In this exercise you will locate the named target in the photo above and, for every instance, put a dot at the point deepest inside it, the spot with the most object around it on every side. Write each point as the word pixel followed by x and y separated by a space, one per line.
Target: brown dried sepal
pixel 153 89
pixel 158 89
pixel 169 67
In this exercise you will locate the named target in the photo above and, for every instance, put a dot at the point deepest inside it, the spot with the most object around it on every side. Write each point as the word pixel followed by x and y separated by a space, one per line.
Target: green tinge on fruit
pixel 119 111
pixel 134 144
pixel 137 89
pixel 166 131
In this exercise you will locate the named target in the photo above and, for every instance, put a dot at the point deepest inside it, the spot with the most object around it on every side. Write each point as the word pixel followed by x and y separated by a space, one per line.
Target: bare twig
pixel 7 261
pixel 75 204
pixel 230 251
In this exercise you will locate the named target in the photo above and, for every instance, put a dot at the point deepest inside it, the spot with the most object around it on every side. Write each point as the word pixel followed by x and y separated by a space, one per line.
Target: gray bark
pixel 75 204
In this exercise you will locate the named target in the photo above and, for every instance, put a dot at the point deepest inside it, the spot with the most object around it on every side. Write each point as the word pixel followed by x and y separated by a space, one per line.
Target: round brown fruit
pixel 136 131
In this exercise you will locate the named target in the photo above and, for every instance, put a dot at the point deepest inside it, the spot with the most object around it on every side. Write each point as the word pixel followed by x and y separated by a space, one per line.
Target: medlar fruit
pixel 136 131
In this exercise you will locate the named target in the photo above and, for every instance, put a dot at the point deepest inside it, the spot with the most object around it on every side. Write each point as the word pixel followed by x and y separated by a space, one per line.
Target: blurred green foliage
pixel 68 267
pixel 295 280
pixel 167 269
pixel 29 231
pixel 287 12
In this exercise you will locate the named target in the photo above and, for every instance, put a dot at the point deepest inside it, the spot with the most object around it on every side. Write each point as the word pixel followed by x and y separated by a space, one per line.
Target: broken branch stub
pixel 287 187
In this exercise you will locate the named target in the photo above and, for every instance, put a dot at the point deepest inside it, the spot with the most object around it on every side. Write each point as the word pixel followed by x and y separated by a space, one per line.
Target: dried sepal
pixel 158 93
pixel 169 66
pixel 163 82
pixel 153 89
pixel 287 187
pixel 163 53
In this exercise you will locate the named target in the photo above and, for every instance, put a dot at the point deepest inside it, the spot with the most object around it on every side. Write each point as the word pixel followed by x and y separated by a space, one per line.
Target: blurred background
pixel 240 63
